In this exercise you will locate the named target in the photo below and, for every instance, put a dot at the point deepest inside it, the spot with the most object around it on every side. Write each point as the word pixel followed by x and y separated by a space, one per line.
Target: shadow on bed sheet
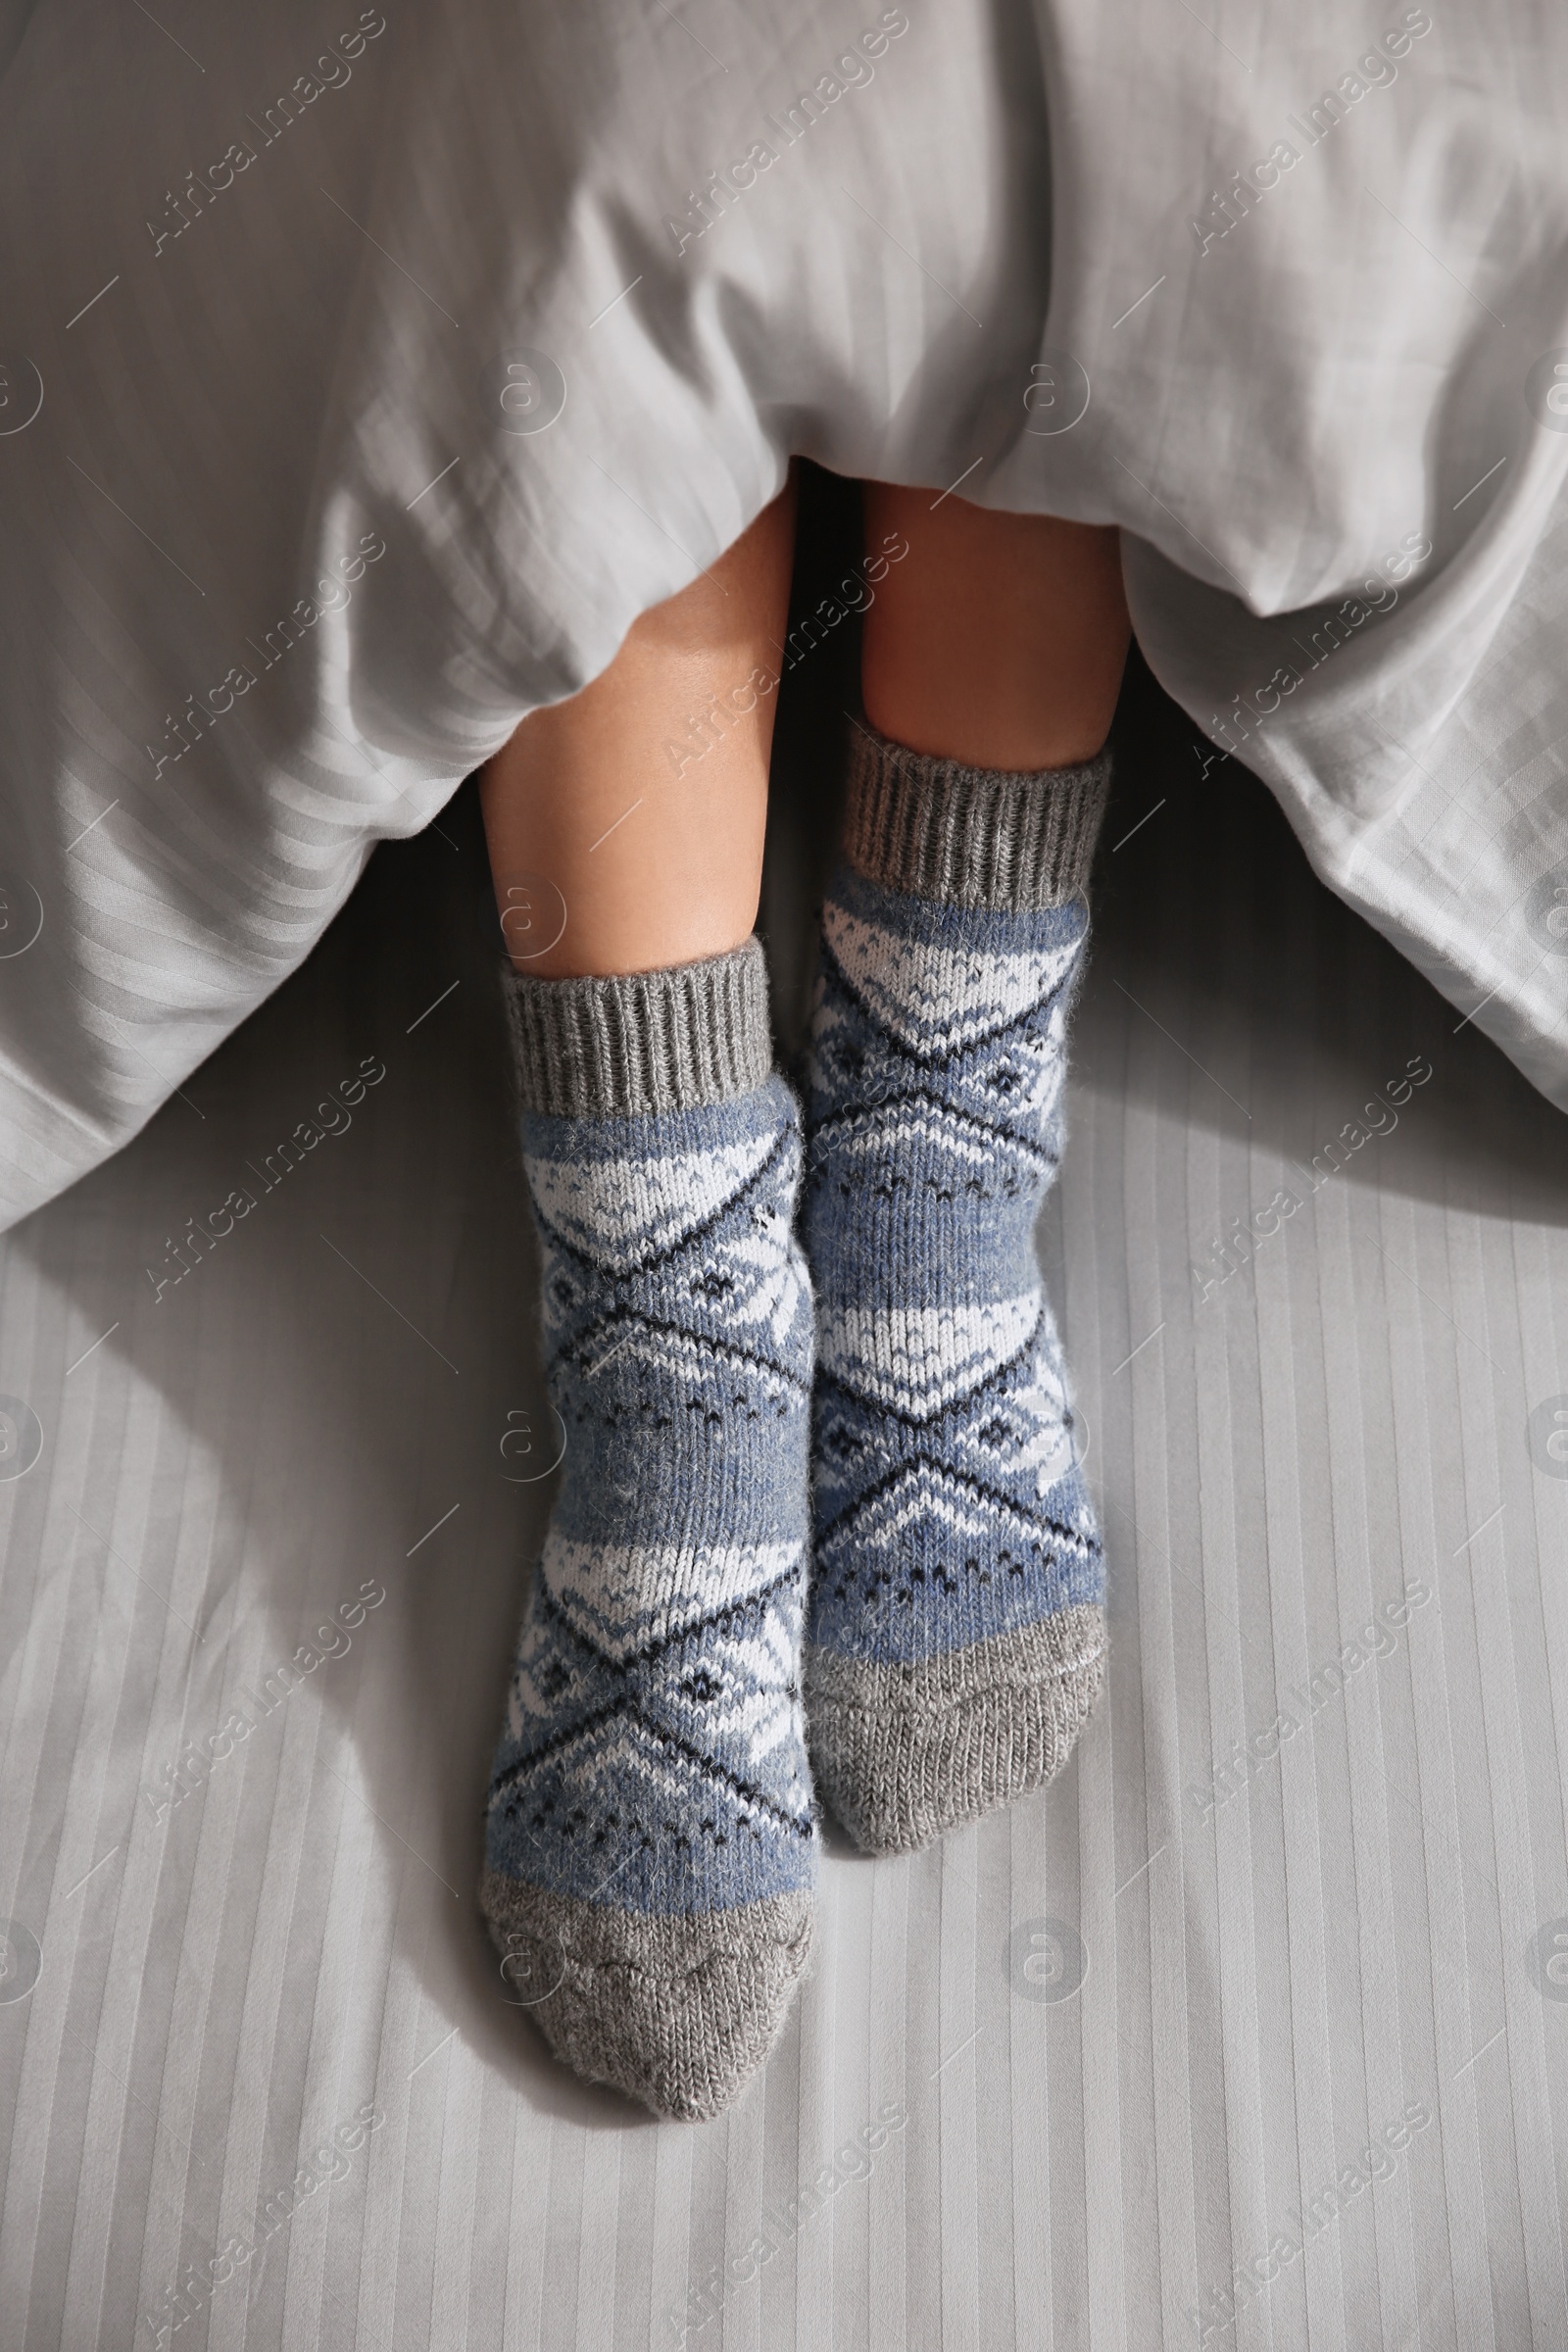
pixel 369 1329
pixel 1281 1013
pixel 1279 1002
pixel 355 1372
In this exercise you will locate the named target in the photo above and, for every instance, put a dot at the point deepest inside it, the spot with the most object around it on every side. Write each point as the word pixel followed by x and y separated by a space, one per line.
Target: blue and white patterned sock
pixel 651 1840
pixel 956 1628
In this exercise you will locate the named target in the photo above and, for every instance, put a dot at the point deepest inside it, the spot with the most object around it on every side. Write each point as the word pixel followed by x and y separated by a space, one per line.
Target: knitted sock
pixel 651 1840
pixel 956 1631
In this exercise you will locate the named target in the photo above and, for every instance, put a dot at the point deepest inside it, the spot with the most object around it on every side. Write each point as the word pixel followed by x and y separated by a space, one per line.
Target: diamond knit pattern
pixel 650 1825
pixel 956 1625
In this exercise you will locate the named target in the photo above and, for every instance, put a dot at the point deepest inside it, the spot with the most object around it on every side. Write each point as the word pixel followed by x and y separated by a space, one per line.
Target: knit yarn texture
pixel 955 1630
pixel 652 1845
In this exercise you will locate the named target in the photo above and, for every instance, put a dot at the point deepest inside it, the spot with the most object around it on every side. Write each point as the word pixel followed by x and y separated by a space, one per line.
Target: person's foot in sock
pixel 651 1840
pixel 956 1629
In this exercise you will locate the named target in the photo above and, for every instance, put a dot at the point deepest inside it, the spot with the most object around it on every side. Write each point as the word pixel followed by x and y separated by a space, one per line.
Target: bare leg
pixel 955 1642
pixel 664 1159
pixel 656 867
pixel 1000 639
pixel 651 1845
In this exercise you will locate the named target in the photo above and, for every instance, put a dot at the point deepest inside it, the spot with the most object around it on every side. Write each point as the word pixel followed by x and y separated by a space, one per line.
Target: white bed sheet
pixel 1050 2084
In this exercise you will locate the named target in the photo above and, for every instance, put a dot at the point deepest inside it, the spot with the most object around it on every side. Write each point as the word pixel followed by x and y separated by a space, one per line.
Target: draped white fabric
pixel 364 376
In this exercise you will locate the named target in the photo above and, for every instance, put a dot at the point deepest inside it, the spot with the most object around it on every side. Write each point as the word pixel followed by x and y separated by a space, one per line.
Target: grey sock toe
pixel 677 2012
pixel 904 1752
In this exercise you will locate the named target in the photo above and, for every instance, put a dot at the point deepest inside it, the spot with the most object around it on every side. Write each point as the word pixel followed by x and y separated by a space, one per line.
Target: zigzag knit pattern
pixel 651 1841
pixel 956 1628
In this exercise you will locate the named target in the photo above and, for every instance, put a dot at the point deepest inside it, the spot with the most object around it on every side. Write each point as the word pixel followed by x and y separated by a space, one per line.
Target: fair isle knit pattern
pixel 652 1840
pixel 955 1633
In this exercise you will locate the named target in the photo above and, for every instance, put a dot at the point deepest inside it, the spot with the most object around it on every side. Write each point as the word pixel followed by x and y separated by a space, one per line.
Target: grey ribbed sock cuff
pixel 647 1041
pixel 1014 839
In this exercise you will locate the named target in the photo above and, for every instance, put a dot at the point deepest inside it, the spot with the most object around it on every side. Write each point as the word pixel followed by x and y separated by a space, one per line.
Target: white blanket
pixel 366 374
